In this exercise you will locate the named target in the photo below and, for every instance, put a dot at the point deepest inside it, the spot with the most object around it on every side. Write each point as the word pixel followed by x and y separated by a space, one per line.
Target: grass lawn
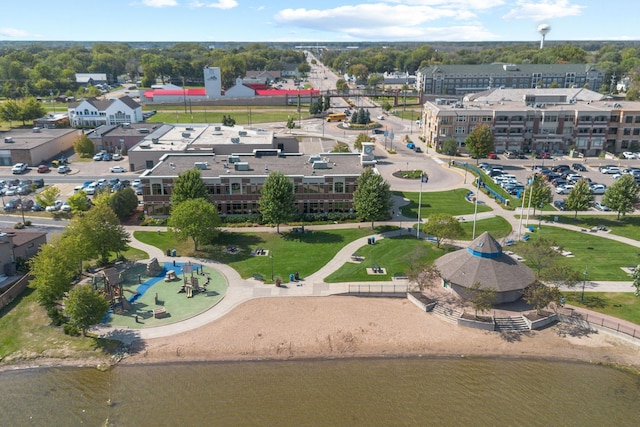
pixel 618 304
pixel 627 226
pixel 497 226
pixel 26 333
pixel 392 254
pixel 304 253
pixel 604 257
pixel 451 202
pixel 242 117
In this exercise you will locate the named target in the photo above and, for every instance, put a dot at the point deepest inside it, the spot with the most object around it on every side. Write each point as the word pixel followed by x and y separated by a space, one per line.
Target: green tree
pixel 580 197
pixel 450 147
pixel 635 276
pixel 374 80
pixel 123 202
pixel 83 146
pixel 85 307
pixel 196 219
pixel 622 195
pixel 539 191
pixel 291 124
pixel 277 200
pixel 540 253
pixel 48 195
pixel 443 226
pixel 540 295
pixel 481 298
pixel 53 271
pixel 79 202
pixel 362 137
pixel 30 109
pixel 372 197
pixel 304 67
pixel 340 147
pixel 480 142
pixel 423 274
pixel 10 111
pixel 100 232
pixel 228 121
pixel 188 185
pixel 342 85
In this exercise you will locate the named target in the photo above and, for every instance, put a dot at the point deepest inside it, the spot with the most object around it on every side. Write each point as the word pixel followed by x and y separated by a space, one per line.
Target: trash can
pixel 168 252
pixel 173 252
pixel 292 277
pixel 531 228
pixel 297 275
pixel 373 240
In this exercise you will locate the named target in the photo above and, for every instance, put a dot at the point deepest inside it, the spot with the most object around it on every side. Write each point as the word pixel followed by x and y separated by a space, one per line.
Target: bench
pixel 526 237
pixel 357 258
pixel 509 242
pixel 258 277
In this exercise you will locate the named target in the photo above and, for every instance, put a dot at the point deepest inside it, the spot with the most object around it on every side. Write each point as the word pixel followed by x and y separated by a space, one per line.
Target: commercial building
pixel 34 146
pixel 537 120
pixel 323 183
pixel 203 138
pixel 456 80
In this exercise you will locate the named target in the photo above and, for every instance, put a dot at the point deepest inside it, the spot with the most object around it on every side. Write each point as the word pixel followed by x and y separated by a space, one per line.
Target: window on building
pixel 628 119
pixel 461 118
pixel 460 130
pixel 338 187
pixel 156 189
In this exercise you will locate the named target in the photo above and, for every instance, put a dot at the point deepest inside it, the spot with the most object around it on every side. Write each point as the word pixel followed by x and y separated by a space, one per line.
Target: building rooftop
pixel 260 163
pixel 187 137
pixel 29 138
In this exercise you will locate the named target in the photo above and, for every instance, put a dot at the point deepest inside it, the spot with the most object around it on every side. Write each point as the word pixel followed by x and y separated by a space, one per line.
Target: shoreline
pixel 346 327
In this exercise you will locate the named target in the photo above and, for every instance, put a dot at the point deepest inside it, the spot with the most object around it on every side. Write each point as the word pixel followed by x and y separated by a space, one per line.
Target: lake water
pixel 358 392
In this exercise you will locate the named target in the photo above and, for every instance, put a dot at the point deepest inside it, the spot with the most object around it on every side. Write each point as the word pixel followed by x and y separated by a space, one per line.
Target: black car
pixel 559 204
pixel 579 167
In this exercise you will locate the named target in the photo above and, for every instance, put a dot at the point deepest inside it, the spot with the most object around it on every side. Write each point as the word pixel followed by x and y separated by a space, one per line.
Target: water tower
pixel 543 29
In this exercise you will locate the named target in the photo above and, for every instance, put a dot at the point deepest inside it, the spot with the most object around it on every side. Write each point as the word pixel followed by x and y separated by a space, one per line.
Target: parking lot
pixel 522 169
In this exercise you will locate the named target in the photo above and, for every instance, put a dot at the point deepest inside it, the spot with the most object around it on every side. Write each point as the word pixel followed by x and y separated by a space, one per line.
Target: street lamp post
pixel 540 215
pixel 584 283
pixel 271 256
pixel 419 206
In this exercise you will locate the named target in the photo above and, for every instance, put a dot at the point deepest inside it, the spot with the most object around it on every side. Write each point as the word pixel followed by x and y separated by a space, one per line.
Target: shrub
pixel 27 223
pixel 71 330
pixel 18 226
pixel 56 316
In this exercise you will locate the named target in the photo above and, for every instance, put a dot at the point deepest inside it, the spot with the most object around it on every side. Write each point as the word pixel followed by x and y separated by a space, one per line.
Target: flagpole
pixel 419 206
pixel 475 210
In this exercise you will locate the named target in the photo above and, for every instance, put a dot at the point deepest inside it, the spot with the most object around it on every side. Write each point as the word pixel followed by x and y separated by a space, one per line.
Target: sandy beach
pixel 345 326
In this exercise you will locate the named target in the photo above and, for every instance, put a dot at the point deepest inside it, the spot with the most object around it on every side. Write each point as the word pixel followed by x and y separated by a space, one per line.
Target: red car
pixel 493 156
pixel 43 169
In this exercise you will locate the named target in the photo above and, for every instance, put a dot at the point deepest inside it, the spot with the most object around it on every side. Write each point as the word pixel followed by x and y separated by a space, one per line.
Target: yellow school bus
pixel 336 117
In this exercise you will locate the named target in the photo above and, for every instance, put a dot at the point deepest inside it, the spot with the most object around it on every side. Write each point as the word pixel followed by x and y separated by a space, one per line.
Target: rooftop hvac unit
pixel 320 165
pixel 234 159
pixel 201 165
pixel 145 146
pixel 235 140
pixel 216 128
pixel 155 140
pixel 189 129
pixel 314 159
pixel 143 130
pixel 242 133
pixel 241 166
pixel 186 135
pixel 8 140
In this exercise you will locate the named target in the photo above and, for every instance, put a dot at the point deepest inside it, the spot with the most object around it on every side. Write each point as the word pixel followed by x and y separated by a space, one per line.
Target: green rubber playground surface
pixel 160 294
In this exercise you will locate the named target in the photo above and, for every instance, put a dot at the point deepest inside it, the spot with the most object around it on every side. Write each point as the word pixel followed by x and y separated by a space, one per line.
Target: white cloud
pixel 220 4
pixel 546 9
pixel 13 33
pixel 159 3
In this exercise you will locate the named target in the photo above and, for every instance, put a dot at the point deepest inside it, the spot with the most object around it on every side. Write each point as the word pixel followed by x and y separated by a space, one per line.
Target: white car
pixel 380 117
pixel 564 189
pixel 65 207
pixel 117 169
pixel 19 168
pixel 117 156
pixel 629 155
pixel 598 188
pixel 55 207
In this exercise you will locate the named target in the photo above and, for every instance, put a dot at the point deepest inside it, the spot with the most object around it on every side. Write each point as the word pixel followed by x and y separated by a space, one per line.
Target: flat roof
pixel 339 164
pixel 27 138
pixel 180 137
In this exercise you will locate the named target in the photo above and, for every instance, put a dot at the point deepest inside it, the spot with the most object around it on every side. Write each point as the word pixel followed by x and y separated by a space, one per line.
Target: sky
pixel 316 21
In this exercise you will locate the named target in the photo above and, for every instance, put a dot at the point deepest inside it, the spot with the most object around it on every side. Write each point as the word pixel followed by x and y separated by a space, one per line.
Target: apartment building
pixel 537 120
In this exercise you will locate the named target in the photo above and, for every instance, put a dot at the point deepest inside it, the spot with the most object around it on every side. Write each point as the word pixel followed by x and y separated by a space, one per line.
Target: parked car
pixel 493 156
pixel 55 207
pixel 19 168
pixel 43 169
pixel 98 157
pixel 411 146
pixel 65 207
pixel 25 205
pixel 601 207
pixel 117 156
pixel 38 182
pixel 598 188
pixel 37 207
pixel 609 169
pixel 107 157
pixel 579 167
pixel 64 169
pixel 560 205
pixel 565 189
pixel 11 205
pixel 629 155
pixel 117 169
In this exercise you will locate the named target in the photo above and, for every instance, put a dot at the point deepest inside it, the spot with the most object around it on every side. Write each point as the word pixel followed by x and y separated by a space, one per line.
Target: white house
pixel 94 112
pixel 239 90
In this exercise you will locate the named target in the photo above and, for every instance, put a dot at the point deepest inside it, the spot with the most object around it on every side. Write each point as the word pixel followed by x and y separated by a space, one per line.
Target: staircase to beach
pixel 447 313
pixel 511 324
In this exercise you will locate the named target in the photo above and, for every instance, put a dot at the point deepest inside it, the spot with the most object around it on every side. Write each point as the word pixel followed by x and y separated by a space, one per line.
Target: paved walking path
pixel 240 290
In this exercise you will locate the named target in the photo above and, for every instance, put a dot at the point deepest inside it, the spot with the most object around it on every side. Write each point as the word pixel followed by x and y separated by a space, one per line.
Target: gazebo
pixel 484 262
